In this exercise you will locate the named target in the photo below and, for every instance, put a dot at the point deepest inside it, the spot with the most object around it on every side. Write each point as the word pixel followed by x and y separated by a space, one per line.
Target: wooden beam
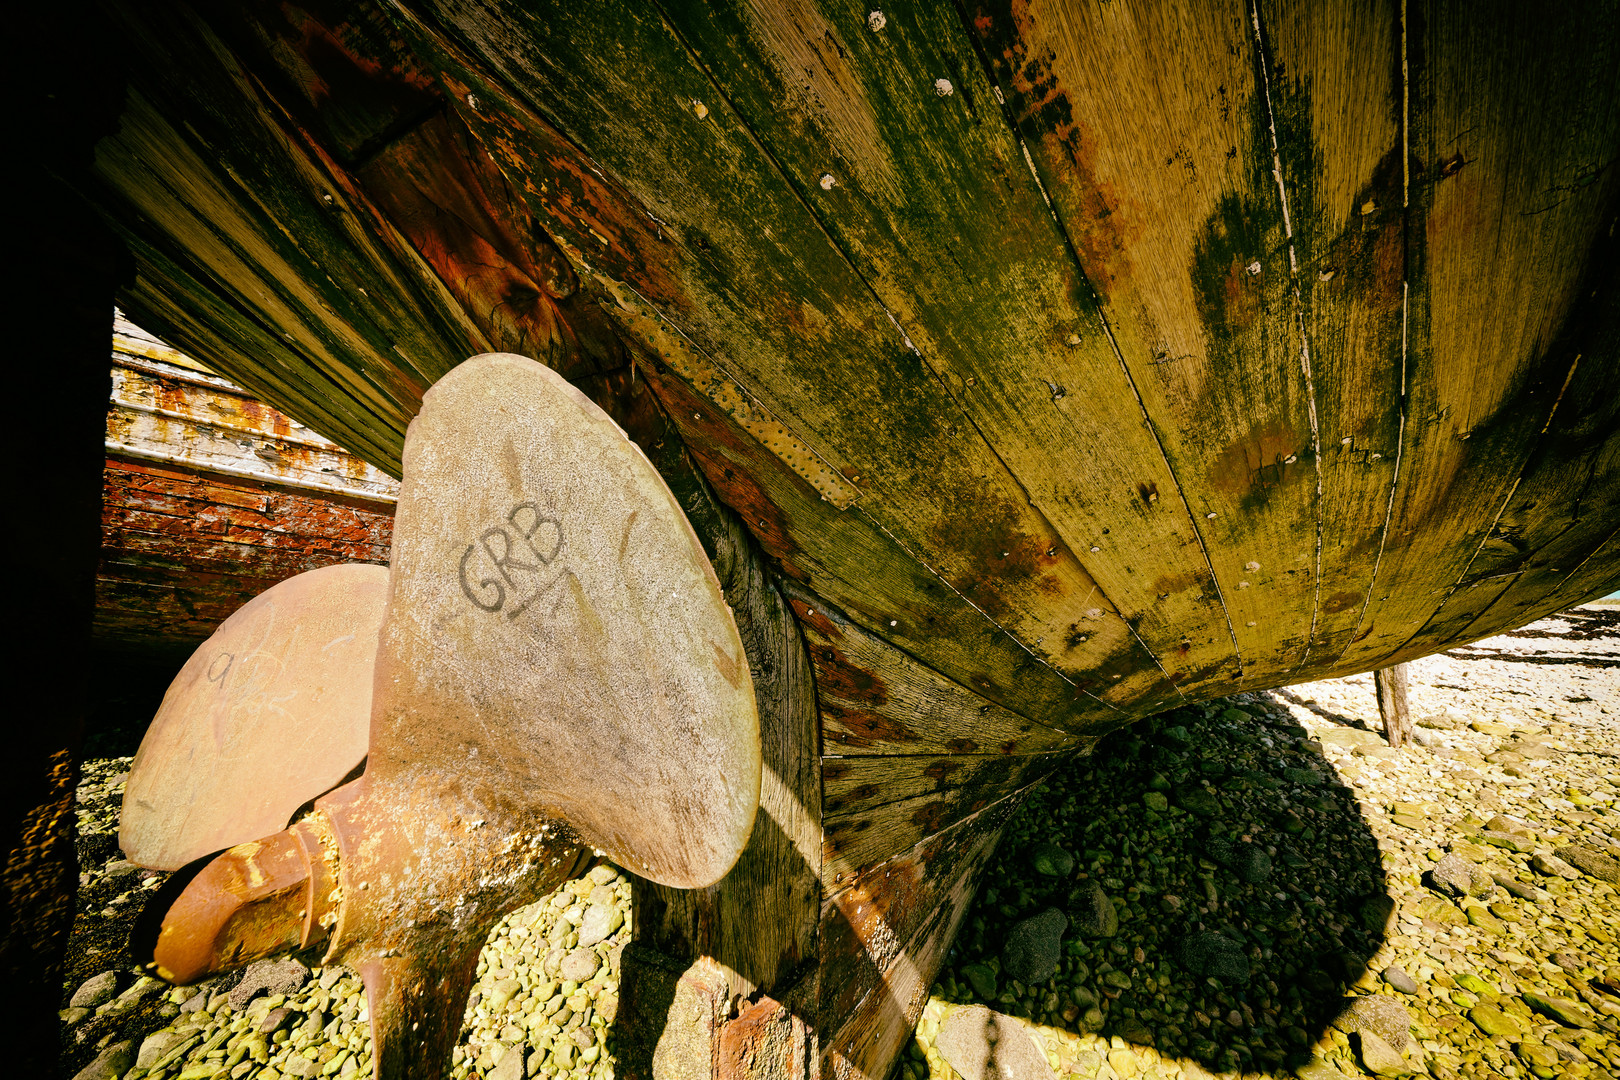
pixel 885 934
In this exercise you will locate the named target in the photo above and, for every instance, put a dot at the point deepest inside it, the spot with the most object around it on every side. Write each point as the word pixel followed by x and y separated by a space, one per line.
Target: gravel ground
pixel 1215 891
pixel 1261 886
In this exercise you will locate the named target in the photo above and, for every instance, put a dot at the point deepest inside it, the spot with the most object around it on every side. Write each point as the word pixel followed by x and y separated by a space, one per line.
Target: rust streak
pixel 1119 355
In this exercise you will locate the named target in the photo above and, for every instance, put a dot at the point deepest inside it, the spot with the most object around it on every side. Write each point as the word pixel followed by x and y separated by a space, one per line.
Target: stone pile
pixel 1263 886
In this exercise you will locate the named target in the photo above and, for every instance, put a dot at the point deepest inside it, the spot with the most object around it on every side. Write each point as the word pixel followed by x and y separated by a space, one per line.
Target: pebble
pixel 155 1046
pixel 1397 977
pixel 268 977
pixel 1209 955
pixel 598 924
pixel 1032 950
pixel 579 965
pixel 111 1064
pixel 95 991
pixel 1495 1022
pixel 1382 1016
pixel 1589 860
pixel 1552 866
pixel 1053 861
pixel 1452 877
pixel 1091 912
pixel 975 1037
pixel 1196 799
pixel 1380 1058
pixel 1560 1009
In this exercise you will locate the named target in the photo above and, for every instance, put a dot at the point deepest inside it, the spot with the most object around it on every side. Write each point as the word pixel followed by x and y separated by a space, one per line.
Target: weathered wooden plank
pixel 1548 529
pixel 172 540
pixel 1551 517
pixel 884 937
pixel 1579 567
pixel 855 843
pixel 179 510
pixel 342 71
pixel 439 187
pixel 199 322
pixel 181 552
pixel 1505 197
pixel 936 210
pixel 1594 577
pixel 1550 523
pixel 242 366
pixel 875 699
pixel 857 787
pixel 130 340
pixel 1164 174
pixel 1335 89
pixel 848 561
pixel 775 305
pixel 162 177
pixel 164 413
pixel 206 503
pixel 261 210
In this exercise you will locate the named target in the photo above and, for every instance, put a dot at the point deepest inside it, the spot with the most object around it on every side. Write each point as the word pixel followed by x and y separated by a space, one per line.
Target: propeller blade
pixel 270 712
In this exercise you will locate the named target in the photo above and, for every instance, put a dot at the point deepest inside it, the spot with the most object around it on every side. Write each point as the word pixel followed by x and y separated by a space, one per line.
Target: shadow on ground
pixel 1218 890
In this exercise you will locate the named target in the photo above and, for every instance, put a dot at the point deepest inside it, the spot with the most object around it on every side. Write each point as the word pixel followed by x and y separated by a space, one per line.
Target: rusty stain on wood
pixel 874 699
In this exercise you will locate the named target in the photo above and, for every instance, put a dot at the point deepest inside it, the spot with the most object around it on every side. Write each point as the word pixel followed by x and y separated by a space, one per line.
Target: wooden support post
pixel 1391 683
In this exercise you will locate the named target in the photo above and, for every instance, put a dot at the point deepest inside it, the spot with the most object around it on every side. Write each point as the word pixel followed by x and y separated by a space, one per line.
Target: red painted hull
pixel 181 551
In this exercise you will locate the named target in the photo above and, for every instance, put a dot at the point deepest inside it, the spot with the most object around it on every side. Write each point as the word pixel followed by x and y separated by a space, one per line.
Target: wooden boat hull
pixel 1051 365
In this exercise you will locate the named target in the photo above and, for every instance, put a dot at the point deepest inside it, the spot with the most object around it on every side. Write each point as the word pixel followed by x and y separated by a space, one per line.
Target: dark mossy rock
pixel 983 980
pixel 1034 947
pixel 1091 912
pixel 1209 955
pixel 1249 862
pixel 1051 860
pixel 1197 799
pixel 1375 911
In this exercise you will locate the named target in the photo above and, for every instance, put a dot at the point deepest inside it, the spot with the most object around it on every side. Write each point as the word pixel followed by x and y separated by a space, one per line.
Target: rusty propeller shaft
pixel 397 881
pixel 254 900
